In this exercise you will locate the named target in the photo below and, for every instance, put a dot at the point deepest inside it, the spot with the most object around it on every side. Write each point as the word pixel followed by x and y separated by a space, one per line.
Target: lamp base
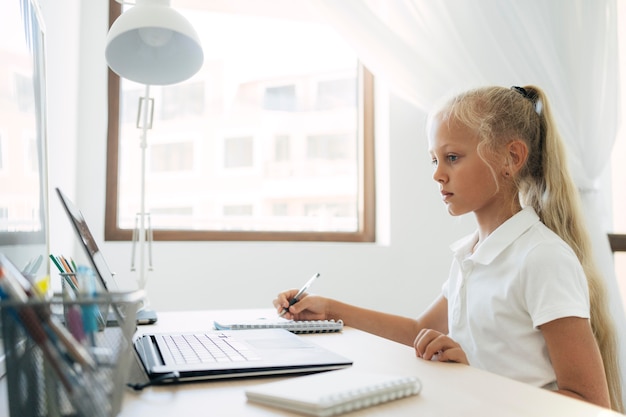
pixel 146 316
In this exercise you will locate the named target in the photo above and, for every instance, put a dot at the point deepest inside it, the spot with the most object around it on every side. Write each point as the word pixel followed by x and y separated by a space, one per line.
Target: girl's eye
pixel 452 158
pixel 434 162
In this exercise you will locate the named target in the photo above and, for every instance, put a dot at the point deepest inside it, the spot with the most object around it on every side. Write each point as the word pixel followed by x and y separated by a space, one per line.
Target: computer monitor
pixel 23 166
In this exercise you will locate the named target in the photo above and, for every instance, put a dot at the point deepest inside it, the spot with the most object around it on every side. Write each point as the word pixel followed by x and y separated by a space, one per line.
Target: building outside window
pixel 270 138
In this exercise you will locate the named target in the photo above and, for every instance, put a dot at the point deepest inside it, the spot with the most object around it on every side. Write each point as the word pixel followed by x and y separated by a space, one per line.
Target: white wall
pixel 400 274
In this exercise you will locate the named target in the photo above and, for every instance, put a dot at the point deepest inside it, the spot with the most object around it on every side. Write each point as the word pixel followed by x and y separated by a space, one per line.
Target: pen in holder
pixel 71 291
pixel 69 281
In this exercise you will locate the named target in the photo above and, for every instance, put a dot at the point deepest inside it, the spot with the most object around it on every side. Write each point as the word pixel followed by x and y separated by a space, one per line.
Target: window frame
pixel 366 232
pixel 617 242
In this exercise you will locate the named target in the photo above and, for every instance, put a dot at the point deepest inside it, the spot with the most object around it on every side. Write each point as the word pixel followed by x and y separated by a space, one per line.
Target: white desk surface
pixel 447 389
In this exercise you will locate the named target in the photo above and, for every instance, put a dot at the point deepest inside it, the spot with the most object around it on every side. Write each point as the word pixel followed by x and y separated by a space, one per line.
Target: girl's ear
pixel 516 155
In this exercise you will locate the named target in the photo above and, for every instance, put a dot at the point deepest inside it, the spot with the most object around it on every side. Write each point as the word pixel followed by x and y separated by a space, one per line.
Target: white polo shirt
pixel 522 276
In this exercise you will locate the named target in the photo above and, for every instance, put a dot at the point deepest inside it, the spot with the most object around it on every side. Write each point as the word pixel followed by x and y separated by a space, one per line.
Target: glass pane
pixel 22 167
pixel 264 138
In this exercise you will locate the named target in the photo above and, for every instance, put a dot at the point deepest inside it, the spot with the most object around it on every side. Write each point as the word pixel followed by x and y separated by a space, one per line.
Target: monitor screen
pixel 23 168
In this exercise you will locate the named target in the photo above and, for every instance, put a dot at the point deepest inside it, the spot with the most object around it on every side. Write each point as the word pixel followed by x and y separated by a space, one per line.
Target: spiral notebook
pixel 301 327
pixel 334 392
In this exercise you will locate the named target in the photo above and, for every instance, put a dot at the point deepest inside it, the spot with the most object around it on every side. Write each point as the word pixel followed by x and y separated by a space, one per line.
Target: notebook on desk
pixel 212 354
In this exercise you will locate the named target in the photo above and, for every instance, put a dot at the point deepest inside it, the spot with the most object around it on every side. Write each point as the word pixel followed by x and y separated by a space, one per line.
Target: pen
pixel 66 264
pixel 68 280
pixel 56 263
pixel 296 298
pixel 71 273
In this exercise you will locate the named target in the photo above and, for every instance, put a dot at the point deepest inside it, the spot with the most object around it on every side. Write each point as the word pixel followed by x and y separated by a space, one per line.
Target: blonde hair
pixel 500 115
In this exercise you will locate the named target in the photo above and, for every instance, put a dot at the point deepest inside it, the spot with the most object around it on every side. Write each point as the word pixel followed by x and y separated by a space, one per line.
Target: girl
pixel 523 298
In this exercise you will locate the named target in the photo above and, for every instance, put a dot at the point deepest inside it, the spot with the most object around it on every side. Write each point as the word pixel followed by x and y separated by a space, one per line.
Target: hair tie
pixel 533 97
pixel 522 91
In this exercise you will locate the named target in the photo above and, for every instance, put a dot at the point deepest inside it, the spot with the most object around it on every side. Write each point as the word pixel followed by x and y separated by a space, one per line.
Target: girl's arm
pixel 397 328
pixel 576 360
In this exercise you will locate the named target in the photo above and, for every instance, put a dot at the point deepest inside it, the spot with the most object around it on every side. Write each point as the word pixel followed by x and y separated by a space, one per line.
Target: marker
pixel 87 287
pixel 296 298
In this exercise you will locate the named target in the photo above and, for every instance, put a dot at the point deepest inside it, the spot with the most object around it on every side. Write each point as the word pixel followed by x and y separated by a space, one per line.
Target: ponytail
pixel 555 198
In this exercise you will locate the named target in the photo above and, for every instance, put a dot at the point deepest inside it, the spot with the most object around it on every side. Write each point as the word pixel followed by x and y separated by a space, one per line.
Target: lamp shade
pixel 151 43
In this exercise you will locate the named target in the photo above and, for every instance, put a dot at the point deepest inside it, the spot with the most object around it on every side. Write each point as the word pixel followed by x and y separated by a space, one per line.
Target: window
pixel 171 157
pixel 333 94
pixel 182 100
pixel 241 210
pixel 281 148
pixel 281 98
pixel 2 145
pixel 32 160
pixel 329 147
pixel 271 140
pixel 238 152
pixel 24 92
pixel 4 218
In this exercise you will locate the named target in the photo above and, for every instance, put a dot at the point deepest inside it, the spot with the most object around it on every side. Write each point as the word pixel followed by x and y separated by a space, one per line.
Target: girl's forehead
pixel 447 130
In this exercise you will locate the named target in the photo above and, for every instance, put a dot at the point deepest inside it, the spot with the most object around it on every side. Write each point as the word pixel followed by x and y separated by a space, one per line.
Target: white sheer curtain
pixel 426 49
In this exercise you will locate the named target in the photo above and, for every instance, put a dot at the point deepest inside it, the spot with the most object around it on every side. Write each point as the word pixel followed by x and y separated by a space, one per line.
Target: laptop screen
pixel 95 255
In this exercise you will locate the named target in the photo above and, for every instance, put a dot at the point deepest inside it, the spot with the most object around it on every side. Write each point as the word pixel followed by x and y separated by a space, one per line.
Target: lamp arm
pixel 145 115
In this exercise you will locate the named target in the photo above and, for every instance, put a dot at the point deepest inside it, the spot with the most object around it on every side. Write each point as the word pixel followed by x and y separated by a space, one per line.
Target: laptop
pixel 96 258
pixel 212 354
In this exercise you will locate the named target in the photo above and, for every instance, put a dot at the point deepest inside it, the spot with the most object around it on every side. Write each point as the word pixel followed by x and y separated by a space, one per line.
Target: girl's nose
pixel 438 175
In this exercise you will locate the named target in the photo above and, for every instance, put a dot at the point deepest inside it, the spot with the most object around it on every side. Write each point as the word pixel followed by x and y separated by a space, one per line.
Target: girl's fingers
pixel 433 345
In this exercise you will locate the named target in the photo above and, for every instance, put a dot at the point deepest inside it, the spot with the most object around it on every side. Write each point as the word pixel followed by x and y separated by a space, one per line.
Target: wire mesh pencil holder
pixel 70 290
pixel 65 365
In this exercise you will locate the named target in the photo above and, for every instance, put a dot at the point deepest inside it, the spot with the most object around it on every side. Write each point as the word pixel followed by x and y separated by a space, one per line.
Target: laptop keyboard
pixel 208 347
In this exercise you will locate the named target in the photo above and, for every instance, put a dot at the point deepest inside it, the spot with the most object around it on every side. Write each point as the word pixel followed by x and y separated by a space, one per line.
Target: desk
pixel 448 389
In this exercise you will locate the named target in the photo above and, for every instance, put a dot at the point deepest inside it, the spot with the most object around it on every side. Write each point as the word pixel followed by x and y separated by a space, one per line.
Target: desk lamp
pixel 151 44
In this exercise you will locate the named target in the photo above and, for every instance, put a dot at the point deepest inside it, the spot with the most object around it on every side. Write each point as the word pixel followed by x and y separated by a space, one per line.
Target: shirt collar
pixel 498 240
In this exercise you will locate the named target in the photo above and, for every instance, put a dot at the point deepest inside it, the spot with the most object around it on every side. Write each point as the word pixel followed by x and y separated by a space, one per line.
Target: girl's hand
pixel 433 345
pixel 309 307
